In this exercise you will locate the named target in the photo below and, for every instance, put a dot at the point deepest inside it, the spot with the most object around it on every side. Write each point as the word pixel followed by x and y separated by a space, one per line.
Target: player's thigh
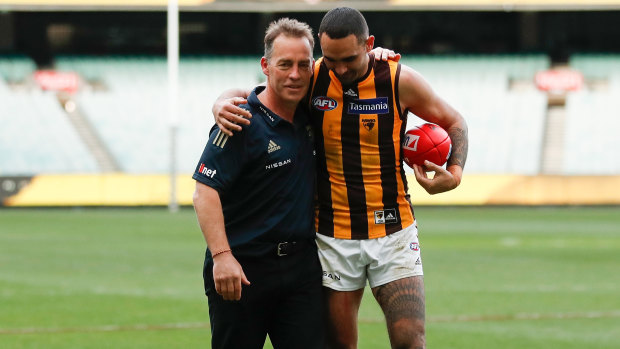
pixel 403 304
pixel 342 313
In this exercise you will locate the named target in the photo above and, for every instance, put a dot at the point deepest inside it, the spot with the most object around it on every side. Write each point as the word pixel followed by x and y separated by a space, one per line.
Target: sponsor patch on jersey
pixel 368 106
pixel 278 164
pixel 272 146
pixel 351 93
pixel 266 113
pixel 205 171
pixel 331 275
pixel 386 216
pixel 324 103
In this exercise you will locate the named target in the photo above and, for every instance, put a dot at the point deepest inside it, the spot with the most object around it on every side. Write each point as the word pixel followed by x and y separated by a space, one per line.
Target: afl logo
pixel 323 103
pixel 414 246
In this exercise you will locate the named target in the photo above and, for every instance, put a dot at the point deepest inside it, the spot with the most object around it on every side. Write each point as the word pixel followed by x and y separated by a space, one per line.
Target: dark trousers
pixel 284 301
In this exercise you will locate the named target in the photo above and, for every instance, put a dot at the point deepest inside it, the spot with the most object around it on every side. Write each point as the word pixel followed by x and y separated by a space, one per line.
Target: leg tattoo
pixel 402 302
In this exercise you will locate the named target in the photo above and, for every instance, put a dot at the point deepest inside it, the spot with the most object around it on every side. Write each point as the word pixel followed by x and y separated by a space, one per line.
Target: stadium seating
pixel 593 116
pixel 131 111
pixel 125 99
pixel 36 137
pixel 505 126
pixel 15 68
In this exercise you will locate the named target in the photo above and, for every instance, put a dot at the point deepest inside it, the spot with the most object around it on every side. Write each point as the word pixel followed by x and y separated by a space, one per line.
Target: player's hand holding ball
pixel 426 148
pixel 426 142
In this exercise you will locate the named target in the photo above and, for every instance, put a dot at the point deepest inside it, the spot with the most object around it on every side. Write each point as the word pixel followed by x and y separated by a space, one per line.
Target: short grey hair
pixel 289 27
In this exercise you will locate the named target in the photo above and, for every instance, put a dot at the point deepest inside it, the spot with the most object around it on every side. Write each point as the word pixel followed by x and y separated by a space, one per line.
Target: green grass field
pixel 496 278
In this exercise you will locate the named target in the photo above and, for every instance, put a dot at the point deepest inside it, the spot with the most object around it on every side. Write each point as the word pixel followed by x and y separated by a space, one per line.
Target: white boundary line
pixel 527 316
pixel 105 328
pixel 433 319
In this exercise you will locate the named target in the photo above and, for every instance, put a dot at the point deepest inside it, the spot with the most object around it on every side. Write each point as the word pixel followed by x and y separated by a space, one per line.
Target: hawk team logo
pixel 386 216
pixel 323 103
pixel 379 219
pixel 368 123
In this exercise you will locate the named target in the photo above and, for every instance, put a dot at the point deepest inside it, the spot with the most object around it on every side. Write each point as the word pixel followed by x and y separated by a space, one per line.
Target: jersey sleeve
pixel 221 161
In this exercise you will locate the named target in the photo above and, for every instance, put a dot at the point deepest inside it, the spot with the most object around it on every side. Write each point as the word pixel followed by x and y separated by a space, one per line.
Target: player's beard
pixel 347 78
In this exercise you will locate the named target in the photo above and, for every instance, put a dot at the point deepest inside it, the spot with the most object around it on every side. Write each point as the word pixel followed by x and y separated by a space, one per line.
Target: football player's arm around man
pixel 230 117
pixel 417 96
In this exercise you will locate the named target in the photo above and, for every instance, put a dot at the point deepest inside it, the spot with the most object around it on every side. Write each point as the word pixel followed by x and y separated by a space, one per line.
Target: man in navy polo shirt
pixel 254 203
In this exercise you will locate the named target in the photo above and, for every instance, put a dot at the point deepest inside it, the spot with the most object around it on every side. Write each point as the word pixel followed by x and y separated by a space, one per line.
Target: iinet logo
pixel 206 171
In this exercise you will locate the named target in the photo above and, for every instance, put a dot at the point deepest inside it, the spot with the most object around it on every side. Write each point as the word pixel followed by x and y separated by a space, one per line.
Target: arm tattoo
pixel 460 143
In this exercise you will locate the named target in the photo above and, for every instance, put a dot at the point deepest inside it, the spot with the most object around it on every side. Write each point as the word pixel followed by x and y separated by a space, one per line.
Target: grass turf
pixel 131 278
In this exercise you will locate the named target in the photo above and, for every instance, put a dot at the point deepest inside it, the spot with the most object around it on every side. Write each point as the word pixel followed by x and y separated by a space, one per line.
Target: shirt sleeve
pixel 222 159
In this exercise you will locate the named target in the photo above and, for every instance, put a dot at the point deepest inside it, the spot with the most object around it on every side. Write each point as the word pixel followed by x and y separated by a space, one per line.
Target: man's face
pixel 290 68
pixel 346 57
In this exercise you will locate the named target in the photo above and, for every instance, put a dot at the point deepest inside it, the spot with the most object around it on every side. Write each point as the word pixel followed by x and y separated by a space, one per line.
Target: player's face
pixel 290 68
pixel 346 57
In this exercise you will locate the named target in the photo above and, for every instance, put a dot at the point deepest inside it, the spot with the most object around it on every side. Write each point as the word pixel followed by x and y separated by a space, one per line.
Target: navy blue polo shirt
pixel 265 177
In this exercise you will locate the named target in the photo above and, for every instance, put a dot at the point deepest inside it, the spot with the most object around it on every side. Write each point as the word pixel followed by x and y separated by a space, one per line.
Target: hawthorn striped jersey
pixel 361 183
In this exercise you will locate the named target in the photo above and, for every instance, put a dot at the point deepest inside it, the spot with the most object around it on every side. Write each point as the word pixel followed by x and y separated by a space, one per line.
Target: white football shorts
pixel 347 264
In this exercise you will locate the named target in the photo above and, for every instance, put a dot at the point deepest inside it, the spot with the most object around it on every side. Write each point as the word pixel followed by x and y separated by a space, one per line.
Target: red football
pixel 426 142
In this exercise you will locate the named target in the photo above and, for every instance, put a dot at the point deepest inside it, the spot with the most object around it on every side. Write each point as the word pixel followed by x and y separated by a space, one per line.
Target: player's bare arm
pixel 227 273
pixel 227 113
pixel 417 96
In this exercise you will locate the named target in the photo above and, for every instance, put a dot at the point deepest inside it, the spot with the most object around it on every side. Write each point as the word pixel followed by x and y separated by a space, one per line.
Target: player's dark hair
pixel 289 27
pixel 342 22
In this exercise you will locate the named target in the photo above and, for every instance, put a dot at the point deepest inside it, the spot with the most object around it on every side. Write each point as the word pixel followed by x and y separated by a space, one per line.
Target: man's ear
pixel 263 65
pixel 370 43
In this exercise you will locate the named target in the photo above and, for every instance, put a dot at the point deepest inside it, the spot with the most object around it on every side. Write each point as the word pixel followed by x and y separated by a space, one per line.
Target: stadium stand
pixel 35 136
pixel 505 126
pixel 130 111
pixel 15 68
pixel 125 99
pixel 591 141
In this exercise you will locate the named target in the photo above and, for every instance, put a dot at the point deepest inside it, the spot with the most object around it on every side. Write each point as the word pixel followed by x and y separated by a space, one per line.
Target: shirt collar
pixel 272 118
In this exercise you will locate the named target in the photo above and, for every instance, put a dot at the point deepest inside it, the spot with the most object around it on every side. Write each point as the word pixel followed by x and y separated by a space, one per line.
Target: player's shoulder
pixel 408 76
